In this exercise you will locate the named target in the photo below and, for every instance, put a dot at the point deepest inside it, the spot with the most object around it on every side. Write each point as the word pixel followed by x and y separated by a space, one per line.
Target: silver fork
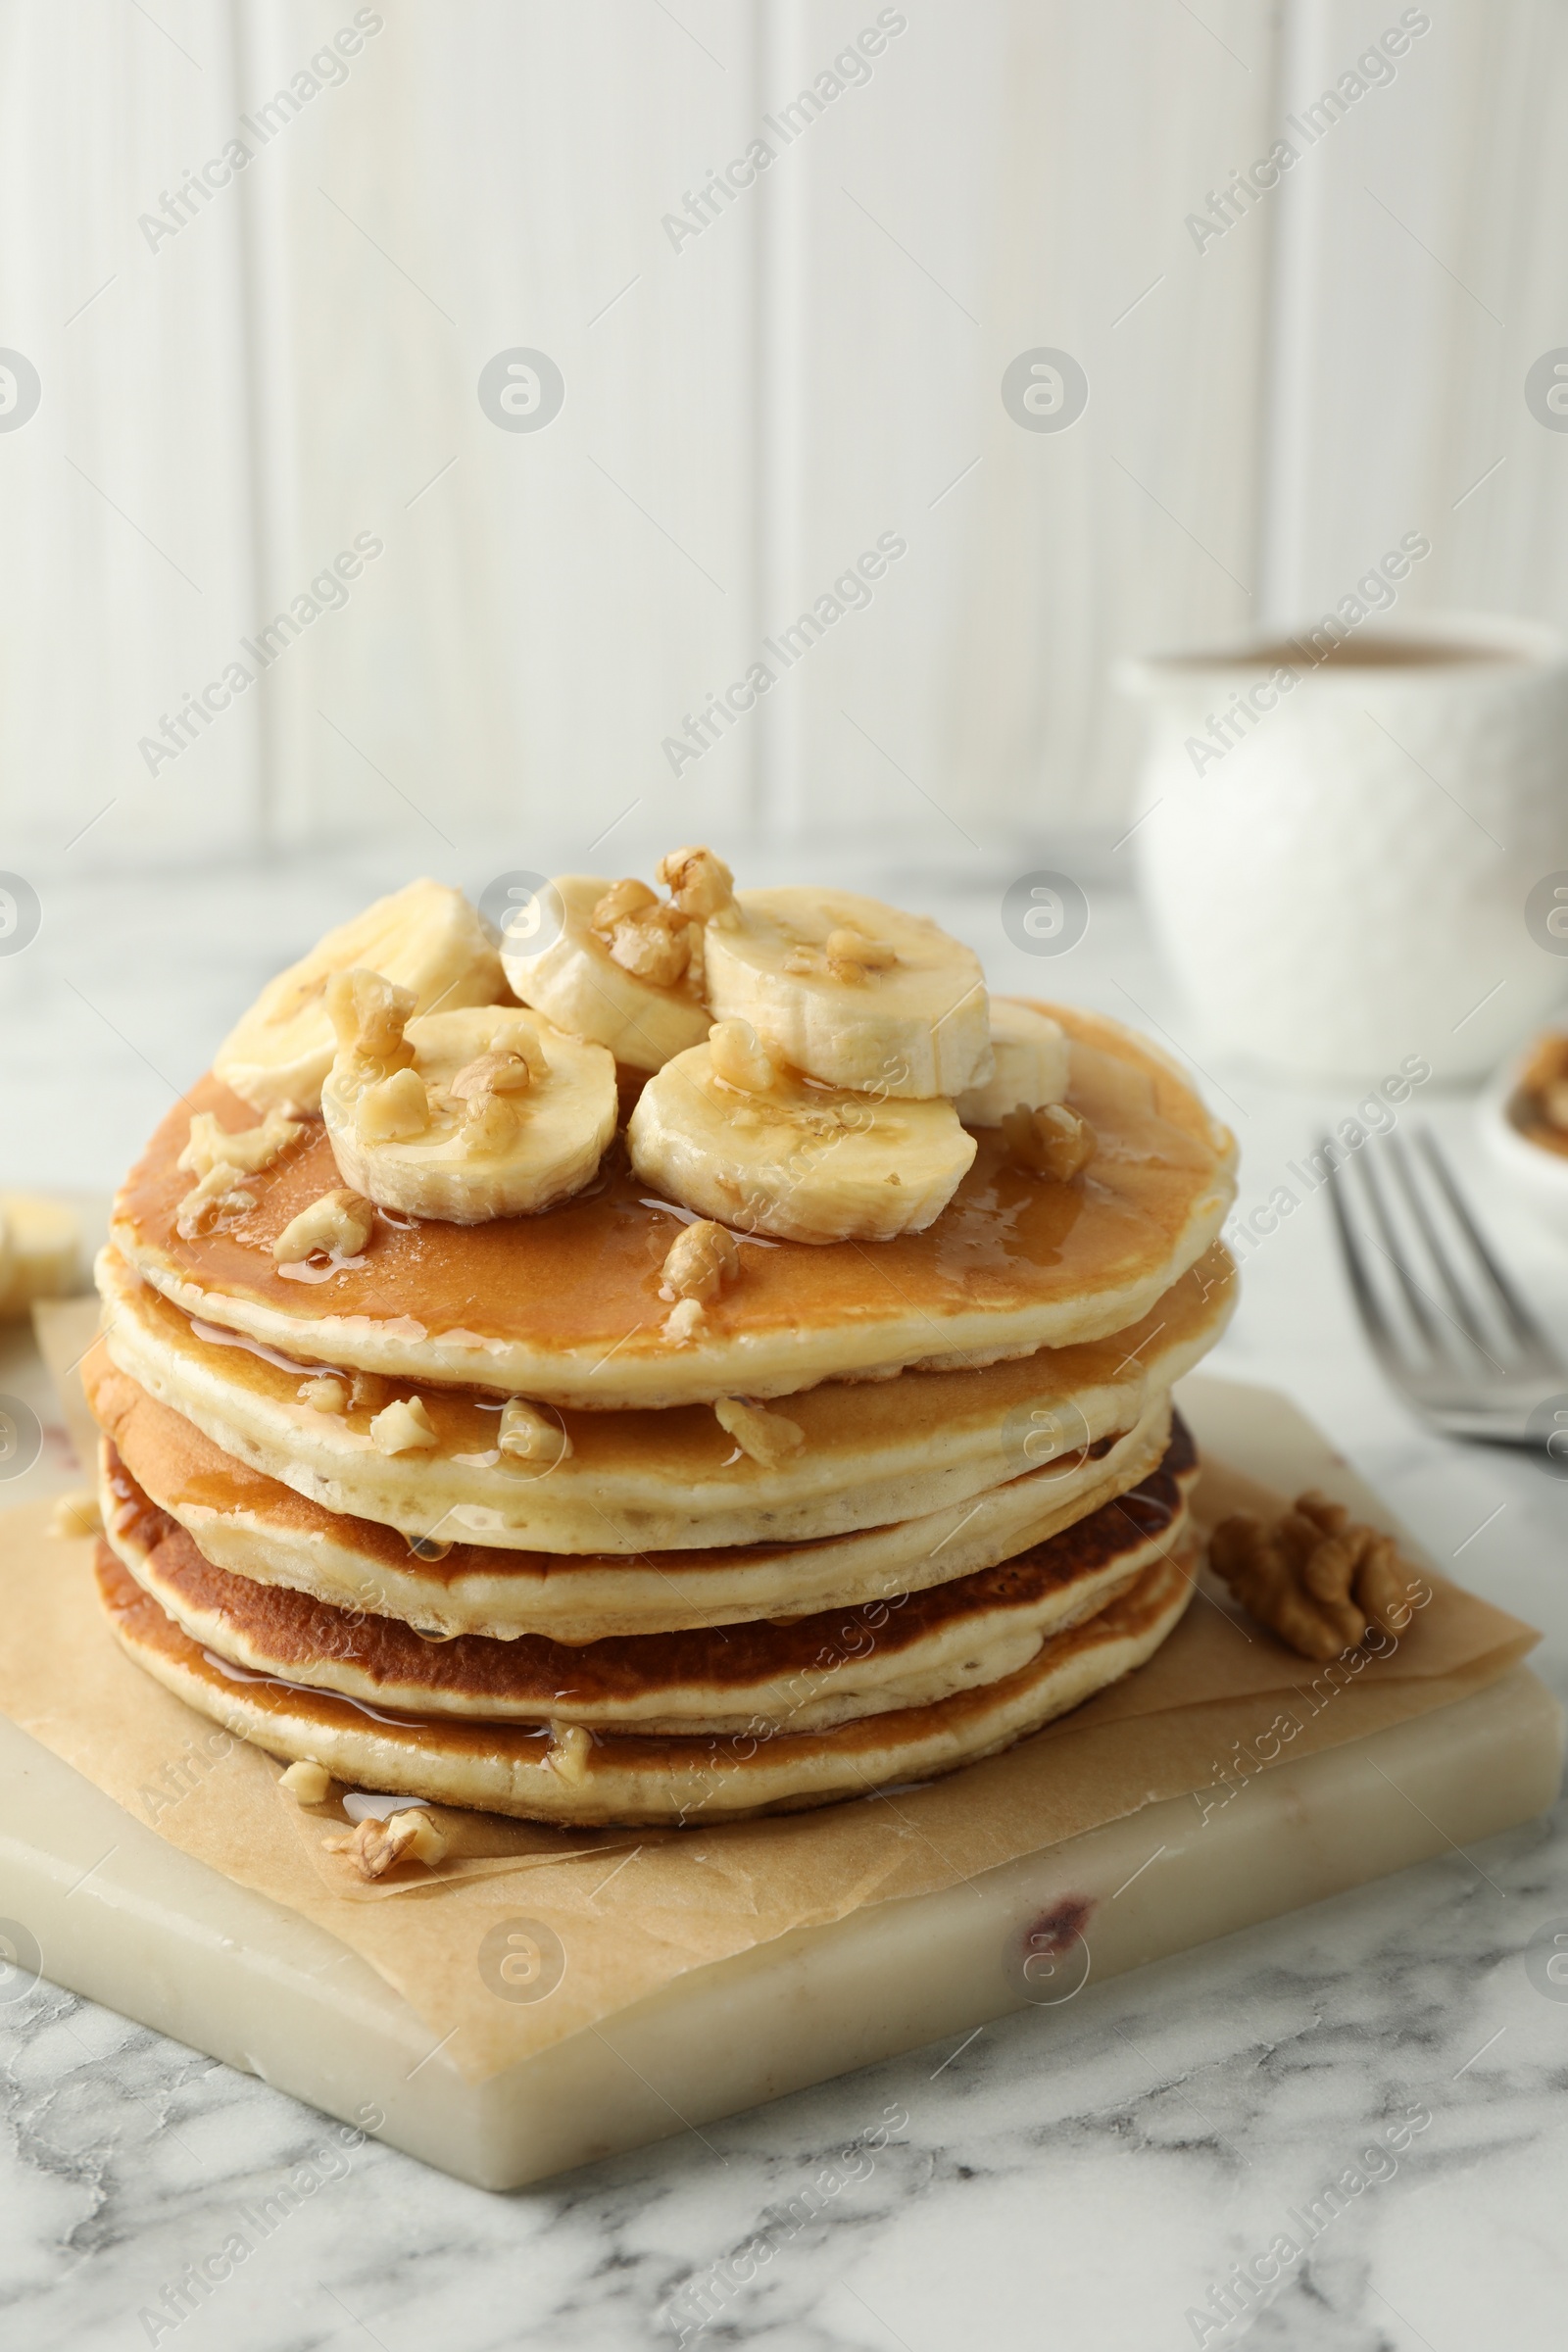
pixel 1443 1317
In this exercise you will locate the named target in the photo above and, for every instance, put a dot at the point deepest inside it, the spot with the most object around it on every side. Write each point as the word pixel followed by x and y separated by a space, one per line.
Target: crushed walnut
pixel 644 937
pixel 394 1109
pixel 767 1438
pixel 503 1072
pixel 340 1222
pixel 1054 1142
pixel 570 1747
pixel 846 954
pixel 701 1261
pixel 1316 1578
pixel 323 1393
pixel 368 1015
pixel 686 1322
pixel 740 1058
pixel 218 1196
pixel 404 1427
pixel 529 1436
pixel 376 1845
pixel 307 1782
pixel 245 1151
pixel 700 884
pixel 661 941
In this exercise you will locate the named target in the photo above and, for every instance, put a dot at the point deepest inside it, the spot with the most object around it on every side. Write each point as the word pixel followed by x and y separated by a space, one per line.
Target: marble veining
pixel 1090 2176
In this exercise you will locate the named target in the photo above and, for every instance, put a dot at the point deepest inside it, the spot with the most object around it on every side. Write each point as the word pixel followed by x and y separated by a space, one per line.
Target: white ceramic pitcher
pixel 1356 851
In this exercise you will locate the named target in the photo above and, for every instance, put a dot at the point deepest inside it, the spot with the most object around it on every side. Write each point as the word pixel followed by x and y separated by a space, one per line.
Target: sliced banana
pixel 41 1252
pixel 851 992
pixel 427 938
pixel 729 1133
pixel 1030 1053
pixel 486 1112
pixel 618 970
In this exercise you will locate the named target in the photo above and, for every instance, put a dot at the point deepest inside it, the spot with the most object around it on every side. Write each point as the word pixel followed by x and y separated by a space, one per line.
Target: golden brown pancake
pixel 873 1452
pixel 254 1524
pixel 566 1308
pixel 635 1778
pixel 801 1674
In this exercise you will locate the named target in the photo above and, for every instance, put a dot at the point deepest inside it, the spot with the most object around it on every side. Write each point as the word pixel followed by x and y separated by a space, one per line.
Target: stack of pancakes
pixel 982 1520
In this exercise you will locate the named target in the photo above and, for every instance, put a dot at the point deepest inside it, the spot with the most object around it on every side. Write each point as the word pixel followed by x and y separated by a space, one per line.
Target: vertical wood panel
pixel 124 501
pixel 1013 178
pixel 1425 274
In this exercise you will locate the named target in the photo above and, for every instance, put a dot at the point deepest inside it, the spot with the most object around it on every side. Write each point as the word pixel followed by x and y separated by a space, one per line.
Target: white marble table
pixel 1081 2177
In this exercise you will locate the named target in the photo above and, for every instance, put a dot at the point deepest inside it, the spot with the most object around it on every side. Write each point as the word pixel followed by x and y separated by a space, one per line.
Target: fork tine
pixel 1469 1321
pixel 1522 1322
pixel 1415 1299
pixel 1369 1305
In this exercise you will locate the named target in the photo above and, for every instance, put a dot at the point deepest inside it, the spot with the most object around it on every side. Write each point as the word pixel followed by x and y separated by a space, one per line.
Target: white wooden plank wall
pixel 745 411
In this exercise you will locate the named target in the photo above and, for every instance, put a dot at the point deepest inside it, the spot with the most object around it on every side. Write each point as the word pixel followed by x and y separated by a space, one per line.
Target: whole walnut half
pixel 1315 1577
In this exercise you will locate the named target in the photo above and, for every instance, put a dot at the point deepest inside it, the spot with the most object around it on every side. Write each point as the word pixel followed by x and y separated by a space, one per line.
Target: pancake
pixel 808 1674
pixel 873 1452
pixel 255 1526
pixel 635 1778
pixel 566 1307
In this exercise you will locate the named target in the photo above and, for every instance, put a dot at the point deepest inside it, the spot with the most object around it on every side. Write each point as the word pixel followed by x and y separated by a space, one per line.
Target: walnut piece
pixel 376 1845
pixel 769 1438
pixel 1316 1578
pixel 531 1435
pixel 571 1746
pixel 217 1195
pixel 701 1261
pixel 851 954
pixel 1054 1142
pixel 740 1058
pixel 367 1013
pixel 653 940
pixel 698 882
pixel 500 1072
pixel 307 1782
pixel 620 900
pixel 247 1150
pixel 404 1427
pixel 686 1321
pixel 340 1222
pixel 394 1109
pixel 323 1395
pixel 655 944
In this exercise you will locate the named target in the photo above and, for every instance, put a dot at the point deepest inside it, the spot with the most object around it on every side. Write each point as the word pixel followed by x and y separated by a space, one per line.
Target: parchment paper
pixel 632 1910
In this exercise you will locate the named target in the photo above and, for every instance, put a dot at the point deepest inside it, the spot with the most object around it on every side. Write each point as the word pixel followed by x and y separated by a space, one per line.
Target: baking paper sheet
pixel 626 1912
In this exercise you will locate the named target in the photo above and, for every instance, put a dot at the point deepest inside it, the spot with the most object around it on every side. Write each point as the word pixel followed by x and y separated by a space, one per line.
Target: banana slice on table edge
pixel 851 992
pixel 801 1161
pixel 1031 1070
pixel 576 980
pixel 41 1252
pixel 427 938
pixel 494 1113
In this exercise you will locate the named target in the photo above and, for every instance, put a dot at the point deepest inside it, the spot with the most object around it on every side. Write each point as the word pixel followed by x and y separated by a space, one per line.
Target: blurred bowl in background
pixel 1508 1113
pixel 1355 846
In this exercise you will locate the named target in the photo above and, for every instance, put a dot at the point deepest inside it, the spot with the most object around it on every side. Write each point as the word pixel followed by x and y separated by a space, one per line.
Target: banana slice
pixel 427 938
pixel 1030 1053
pixel 486 1112
pixel 850 991
pixel 41 1252
pixel 728 1132
pixel 619 971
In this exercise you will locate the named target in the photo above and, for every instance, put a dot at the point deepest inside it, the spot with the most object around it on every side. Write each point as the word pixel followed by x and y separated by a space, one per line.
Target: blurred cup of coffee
pixel 1353 844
